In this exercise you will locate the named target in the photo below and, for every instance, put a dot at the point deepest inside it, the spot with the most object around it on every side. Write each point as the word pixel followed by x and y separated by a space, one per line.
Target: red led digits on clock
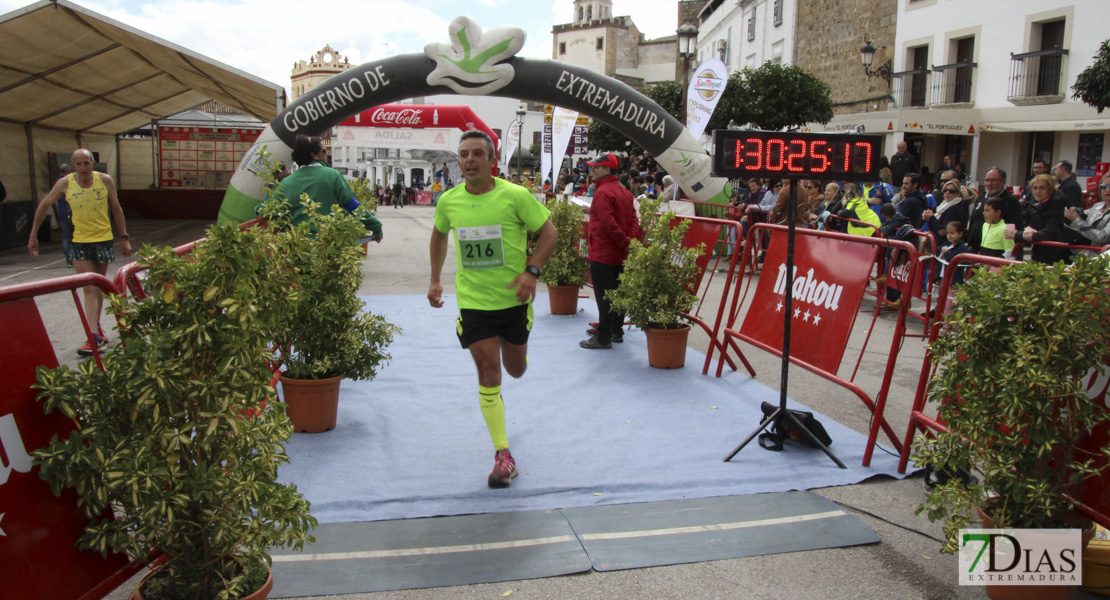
pixel 757 154
pixel 775 154
pixel 813 154
pixel 780 155
pixel 790 166
pixel 867 161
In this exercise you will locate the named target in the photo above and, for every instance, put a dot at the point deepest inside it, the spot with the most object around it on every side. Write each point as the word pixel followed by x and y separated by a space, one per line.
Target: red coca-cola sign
pixel 405 116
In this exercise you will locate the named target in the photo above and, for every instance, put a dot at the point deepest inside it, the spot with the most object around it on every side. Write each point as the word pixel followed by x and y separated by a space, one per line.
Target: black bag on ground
pixel 775 435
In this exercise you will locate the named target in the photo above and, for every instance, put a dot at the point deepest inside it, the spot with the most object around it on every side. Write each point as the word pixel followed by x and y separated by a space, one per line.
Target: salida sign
pixel 828 283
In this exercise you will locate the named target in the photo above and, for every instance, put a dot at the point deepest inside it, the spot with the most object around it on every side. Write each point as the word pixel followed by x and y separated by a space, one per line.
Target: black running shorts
pixel 510 324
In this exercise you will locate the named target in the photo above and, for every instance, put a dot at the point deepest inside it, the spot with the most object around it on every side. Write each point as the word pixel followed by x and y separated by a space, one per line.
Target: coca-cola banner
pixel 402 116
pixel 828 284
pixel 452 67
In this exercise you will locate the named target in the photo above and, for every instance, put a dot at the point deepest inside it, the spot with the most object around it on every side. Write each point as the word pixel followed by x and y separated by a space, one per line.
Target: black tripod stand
pixel 781 417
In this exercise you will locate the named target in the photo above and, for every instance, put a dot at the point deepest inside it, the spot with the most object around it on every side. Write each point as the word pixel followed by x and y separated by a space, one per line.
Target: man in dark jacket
pixel 902 163
pixel 910 208
pixel 994 186
pixel 1069 187
pixel 613 224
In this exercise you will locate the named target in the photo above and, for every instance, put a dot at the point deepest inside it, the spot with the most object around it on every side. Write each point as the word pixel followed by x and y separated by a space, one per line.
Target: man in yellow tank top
pixel 90 196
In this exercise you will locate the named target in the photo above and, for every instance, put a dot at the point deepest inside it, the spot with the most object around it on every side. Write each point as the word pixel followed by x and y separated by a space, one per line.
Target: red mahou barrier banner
pixel 828 284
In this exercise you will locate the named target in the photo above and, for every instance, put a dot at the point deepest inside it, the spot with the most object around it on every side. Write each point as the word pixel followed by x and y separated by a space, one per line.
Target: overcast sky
pixel 266 37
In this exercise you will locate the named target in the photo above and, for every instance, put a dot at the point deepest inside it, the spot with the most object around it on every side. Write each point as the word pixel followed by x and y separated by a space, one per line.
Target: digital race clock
pixel 827 156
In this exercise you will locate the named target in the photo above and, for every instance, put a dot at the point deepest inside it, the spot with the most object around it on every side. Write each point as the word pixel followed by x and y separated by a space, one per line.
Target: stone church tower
pixel 308 74
pixel 613 45
pixel 311 73
pixel 591 10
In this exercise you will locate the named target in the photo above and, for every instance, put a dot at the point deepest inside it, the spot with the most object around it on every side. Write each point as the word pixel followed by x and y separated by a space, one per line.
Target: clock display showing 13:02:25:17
pixel 744 154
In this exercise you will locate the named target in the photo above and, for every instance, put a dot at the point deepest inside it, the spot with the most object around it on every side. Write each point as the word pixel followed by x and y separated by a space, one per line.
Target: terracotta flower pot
pixel 261 594
pixel 563 299
pixel 311 404
pixel 667 347
pixel 1041 592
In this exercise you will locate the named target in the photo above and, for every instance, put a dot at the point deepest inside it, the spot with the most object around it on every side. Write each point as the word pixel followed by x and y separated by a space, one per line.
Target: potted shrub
pixel 654 290
pixel 326 334
pixel 179 437
pixel 565 271
pixel 364 193
pixel 1014 356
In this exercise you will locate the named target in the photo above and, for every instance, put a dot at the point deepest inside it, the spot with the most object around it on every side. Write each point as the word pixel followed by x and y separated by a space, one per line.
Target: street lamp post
pixel 519 148
pixel 867 56
pixel 687 48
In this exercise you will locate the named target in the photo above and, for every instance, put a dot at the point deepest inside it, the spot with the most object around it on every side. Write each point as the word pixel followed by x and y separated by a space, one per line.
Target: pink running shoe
pixel 504 469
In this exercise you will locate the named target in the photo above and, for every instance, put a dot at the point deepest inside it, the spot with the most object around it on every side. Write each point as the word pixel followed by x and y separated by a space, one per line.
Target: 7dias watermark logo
pixel 1020 557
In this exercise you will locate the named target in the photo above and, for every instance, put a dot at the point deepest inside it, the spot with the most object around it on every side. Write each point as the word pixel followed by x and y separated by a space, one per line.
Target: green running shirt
pixel 490 232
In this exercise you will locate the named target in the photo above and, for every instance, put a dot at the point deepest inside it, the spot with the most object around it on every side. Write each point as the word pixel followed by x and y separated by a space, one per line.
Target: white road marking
pixel 423 551
pixel 370 554
pixel 715 527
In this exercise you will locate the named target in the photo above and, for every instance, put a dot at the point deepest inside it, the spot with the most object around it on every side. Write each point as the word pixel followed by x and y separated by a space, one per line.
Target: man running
pixel 493 285
pixel 91 197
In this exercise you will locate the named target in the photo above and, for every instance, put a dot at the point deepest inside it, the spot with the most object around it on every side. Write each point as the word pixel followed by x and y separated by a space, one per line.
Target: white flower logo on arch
pixel 468 64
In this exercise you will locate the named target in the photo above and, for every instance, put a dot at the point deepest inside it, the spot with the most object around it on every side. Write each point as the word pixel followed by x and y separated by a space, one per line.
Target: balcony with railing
pixel 1037 77
pixel 952 84
pixel 910 88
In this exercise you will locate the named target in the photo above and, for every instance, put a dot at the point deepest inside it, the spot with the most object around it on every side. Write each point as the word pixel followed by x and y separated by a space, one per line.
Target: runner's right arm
pixel 47 201
pixel 438 253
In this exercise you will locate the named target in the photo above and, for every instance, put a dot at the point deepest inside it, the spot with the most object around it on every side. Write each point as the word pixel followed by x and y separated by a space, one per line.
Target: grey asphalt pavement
pixel 906 564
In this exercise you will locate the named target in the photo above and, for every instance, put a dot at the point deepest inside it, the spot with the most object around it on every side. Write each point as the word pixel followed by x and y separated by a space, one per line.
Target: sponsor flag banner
pixel 510 143
pixel 829 280
pixel 562 128
pixel 706 88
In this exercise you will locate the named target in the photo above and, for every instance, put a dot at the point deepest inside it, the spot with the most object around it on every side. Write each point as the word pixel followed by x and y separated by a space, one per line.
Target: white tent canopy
pixel 66 68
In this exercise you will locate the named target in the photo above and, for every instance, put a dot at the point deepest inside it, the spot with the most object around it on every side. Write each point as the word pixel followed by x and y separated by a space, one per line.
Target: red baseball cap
pixel 605 160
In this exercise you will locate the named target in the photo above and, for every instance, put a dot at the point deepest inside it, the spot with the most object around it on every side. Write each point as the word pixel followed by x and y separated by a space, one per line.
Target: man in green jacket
pixel 323 184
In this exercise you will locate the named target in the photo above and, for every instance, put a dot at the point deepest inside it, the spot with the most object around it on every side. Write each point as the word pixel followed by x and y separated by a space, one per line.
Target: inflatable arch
pixel 477 63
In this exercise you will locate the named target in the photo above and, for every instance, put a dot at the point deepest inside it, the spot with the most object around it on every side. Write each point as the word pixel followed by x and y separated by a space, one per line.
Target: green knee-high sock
pixel 493 411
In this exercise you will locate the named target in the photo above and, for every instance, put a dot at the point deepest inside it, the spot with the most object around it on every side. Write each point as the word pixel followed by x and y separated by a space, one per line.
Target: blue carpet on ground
pixel 587 428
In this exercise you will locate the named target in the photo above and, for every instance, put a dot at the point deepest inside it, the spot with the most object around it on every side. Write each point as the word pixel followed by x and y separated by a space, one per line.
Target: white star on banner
pixel 797 311
pixel 778 307
pixel 816 318
pixel 806 317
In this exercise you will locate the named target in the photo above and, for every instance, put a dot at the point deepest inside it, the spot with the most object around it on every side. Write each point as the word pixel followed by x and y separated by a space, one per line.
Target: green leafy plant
pixel 567 265
pixel 181 436
pixel 364 193
pixel 654 289
pixel 1015 355
pixel 1093 84
pixel 326 331
pixel 774 97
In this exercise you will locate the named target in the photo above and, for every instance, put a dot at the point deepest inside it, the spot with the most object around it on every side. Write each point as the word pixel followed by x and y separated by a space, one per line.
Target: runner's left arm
pixel 525 283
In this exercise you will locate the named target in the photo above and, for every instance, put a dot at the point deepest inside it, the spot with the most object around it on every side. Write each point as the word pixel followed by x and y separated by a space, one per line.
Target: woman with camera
pixel 1094 226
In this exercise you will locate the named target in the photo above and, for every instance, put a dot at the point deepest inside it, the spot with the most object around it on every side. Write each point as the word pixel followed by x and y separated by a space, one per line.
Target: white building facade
pixel 747 33
pixel 989 83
